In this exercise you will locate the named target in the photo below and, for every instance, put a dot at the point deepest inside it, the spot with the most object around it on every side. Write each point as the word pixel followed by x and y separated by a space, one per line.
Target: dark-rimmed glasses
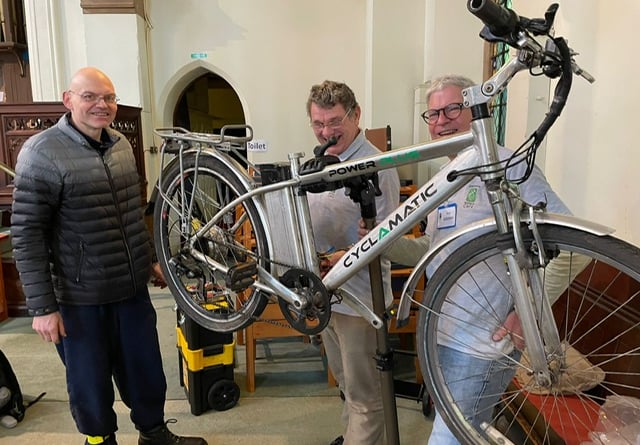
pixel 333 124
pixel 451 111
pixel 92 98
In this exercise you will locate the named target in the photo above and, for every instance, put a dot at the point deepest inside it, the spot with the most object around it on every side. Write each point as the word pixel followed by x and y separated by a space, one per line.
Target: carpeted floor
pixel 292 404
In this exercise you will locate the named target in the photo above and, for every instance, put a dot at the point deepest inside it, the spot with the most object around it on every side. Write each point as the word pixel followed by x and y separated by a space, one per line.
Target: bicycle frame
pixel 296 212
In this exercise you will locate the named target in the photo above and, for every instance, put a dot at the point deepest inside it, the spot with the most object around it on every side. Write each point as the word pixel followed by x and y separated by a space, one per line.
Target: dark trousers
pixel 119 341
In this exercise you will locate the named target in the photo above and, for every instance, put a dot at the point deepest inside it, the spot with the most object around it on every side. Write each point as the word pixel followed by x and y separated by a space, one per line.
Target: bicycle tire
pixel 598 315
pixel 238 239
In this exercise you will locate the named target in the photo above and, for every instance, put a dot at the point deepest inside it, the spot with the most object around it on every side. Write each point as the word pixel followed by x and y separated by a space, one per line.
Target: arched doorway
pixel 207 104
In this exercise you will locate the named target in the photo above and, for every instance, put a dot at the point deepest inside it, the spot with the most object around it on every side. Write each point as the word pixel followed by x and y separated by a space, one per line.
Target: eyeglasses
pixel 333 124
pixel 92 98
pixel 451 111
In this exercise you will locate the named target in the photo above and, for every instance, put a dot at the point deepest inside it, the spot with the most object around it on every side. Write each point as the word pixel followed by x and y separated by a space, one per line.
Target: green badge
pixel 472 195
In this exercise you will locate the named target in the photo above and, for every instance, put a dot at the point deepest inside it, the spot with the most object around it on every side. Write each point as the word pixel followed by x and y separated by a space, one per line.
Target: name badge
pixel 447 216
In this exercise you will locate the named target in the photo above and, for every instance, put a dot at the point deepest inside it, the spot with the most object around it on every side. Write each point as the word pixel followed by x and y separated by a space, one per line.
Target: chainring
pixel 314 318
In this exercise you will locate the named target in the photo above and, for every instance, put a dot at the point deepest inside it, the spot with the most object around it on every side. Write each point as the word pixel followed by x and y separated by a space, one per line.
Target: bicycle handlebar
pixel 500 21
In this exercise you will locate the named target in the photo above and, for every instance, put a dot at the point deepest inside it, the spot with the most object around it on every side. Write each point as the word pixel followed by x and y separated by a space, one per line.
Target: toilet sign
pixel 257 145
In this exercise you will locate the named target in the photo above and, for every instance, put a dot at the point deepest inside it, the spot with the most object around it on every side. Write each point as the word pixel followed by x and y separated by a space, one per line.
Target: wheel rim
pixel 200 290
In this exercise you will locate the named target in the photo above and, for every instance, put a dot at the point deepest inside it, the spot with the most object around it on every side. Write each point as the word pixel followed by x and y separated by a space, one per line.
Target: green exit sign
pixel 198 55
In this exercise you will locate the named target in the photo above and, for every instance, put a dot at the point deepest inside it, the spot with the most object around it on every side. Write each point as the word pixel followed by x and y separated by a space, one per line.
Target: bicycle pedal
pixel 241 276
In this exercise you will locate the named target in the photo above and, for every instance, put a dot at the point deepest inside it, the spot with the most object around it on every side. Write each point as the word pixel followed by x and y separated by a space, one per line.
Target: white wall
pixel 591 156
pixel 598 134
pixel 397 40
pixel 452 46
pixel 270 52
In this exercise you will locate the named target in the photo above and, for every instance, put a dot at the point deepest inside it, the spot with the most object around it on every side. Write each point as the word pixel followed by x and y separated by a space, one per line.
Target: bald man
pixel 84 256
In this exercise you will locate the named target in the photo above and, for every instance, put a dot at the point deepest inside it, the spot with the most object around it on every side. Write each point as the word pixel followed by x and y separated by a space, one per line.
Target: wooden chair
pixel 274 326
pixel 380 137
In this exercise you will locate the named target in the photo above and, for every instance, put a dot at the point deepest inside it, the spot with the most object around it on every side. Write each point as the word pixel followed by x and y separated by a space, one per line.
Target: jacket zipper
pixel 120 225
pixel 80 262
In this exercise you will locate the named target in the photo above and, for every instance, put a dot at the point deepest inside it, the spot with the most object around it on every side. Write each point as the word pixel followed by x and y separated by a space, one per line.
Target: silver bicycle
pixel 231 238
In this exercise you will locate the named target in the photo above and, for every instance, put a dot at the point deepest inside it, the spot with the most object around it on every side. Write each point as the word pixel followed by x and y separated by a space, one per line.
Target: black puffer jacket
pixel 78 231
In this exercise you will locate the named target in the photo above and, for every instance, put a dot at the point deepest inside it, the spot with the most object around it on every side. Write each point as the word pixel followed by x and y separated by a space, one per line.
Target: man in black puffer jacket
pixel 84 256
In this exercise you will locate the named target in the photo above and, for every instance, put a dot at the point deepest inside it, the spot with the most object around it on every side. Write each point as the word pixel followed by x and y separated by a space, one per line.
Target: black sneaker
pixel 97 440
pixel 162 436
pixel 337 441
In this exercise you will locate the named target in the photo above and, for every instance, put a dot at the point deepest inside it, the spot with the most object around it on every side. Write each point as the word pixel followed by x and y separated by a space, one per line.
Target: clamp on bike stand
pixel 364 190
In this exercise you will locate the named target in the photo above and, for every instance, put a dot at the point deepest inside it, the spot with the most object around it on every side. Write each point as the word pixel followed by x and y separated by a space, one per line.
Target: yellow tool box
pixel 206 373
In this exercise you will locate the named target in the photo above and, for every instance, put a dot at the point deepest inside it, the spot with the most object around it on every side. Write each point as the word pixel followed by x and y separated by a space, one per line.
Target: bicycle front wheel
pixel 484 389
pixel 210 276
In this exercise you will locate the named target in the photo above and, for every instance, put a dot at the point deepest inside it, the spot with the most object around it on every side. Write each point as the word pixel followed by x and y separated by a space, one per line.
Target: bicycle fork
pixel 532 305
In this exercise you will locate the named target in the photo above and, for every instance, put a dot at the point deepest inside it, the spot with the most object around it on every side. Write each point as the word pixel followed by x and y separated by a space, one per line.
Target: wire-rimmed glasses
pixel 93 98
pixel 333 124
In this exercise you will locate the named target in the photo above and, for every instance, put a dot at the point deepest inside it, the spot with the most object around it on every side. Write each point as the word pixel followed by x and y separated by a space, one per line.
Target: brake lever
pixel 550 48
pixel 540 27
pixel 582 73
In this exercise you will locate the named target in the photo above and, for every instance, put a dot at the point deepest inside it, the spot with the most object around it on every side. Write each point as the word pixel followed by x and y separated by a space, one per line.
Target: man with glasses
pixel 84 256
pixel 349 340
pixel 479 377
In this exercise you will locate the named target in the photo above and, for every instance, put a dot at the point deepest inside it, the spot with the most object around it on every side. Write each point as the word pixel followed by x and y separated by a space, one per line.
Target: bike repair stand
pixel 364 191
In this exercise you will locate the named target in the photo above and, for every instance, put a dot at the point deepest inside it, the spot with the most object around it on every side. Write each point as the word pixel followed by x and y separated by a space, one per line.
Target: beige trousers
pixel 350 345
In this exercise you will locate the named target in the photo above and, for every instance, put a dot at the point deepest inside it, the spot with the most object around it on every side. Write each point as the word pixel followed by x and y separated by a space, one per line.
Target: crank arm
pixel 269 283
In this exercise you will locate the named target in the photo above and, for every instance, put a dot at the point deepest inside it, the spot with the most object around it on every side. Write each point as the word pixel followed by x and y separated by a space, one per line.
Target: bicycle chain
pixel 272 322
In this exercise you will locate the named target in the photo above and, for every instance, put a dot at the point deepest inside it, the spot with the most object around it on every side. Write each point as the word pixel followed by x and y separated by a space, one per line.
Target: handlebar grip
pixel 320 149
pixel 500 21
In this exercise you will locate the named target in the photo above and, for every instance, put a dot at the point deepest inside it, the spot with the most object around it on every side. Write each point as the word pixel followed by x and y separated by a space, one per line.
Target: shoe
pixel 101 440
pixel 8 421
pixel 162 436
pixel 337 441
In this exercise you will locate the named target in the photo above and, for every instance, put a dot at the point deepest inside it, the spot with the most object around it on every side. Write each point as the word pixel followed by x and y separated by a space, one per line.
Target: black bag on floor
pixel 15 406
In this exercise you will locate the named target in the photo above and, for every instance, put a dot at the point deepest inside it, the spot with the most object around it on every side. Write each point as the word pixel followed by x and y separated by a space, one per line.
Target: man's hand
pixel 50 327
pixel 327 261
pixel 513 328
pixel 362 229
pixel 157 277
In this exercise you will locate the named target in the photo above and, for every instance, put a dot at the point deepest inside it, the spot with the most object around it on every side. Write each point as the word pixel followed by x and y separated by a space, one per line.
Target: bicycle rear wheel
pixel 597 316
pixel 198 272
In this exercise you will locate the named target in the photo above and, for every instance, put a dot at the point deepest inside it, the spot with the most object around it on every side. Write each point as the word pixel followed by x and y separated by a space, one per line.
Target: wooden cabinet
pixel 18 122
